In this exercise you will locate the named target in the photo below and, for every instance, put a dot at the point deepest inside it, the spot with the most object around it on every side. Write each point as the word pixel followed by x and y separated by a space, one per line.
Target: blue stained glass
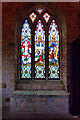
pixel 26 51
pixel 39 50
pixel 53 50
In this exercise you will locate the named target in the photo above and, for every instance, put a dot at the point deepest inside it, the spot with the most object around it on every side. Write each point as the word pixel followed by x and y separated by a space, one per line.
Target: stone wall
pixel 10 12
pixel 39 104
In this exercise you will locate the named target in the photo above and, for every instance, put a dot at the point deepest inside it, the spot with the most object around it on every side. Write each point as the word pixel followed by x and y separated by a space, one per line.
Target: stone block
pixel 3 85
pixel 28 99
pixel 57 100
pixel 37 104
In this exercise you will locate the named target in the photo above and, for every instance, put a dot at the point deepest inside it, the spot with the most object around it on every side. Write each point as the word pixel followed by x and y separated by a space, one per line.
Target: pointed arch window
pixel 39 50
pixel 40 47
pixel 53 50
pixel 26 50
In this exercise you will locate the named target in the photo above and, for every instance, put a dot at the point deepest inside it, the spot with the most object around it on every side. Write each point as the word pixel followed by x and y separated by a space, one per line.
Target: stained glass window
pixel 26 50
pixel 34 64
pixel 33 16
pixel 39 50
pixel 53 50
pixel 46 17
pixel 40 10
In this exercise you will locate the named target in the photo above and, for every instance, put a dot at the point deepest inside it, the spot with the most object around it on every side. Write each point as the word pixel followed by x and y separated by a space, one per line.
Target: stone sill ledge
pixel 42 93
pixel 40 81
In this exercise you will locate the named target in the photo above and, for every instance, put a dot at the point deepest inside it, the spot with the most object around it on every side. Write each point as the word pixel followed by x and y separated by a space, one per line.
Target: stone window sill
pixel 39 85
pixel 41 93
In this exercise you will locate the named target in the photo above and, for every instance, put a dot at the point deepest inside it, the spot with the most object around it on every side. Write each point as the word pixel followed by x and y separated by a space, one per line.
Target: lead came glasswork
pixel 33 17
pixel 53 50
pixel 39 50
pixel 46 17
pixel 40 10
pixel 26 51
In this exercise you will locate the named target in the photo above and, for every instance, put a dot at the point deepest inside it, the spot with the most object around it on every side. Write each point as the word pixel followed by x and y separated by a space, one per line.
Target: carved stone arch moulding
pixel 59 17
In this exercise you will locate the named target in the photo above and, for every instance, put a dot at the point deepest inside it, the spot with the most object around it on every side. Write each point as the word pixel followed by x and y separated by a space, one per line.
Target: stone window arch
pixel 53 10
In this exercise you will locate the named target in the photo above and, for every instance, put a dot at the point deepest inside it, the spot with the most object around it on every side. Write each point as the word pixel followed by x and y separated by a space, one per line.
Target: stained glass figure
pixel 53 50
pixel 33 16
pixel 46 17
pixel 39 10
pixel 39 50
pixel 26 51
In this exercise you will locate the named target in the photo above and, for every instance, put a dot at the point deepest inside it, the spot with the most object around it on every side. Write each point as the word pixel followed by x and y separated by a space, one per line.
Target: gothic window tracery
pixel 45 31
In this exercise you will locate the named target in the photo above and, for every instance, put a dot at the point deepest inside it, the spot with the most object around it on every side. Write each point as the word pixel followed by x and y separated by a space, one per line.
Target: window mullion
pixel 46 58
pixel 33 70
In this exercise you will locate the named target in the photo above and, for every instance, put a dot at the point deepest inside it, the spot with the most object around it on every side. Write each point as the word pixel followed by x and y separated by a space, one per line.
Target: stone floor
pixel 6 115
